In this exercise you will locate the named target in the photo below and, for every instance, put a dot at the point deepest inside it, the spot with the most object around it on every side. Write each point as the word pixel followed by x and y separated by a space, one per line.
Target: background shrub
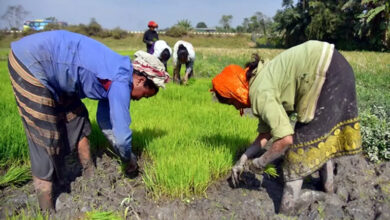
pixel 376 133
pixel 118 33
pixel 176 31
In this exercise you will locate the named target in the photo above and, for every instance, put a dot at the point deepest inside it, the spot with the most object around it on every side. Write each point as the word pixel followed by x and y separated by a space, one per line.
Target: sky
pixel 135 14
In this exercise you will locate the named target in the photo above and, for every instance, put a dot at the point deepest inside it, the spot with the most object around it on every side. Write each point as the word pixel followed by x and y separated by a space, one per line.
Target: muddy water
pixel 362 192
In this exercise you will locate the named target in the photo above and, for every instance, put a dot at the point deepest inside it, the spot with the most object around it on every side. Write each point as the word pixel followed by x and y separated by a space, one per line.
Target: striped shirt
pixel 72 64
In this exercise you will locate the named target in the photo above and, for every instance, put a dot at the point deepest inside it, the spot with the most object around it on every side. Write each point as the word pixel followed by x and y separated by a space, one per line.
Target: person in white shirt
pixel 183 53
pixel 162 51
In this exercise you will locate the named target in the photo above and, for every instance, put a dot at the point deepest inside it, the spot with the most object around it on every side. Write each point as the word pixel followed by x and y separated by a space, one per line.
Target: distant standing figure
pixel 162 51
pixel 150 36
pixel 183 53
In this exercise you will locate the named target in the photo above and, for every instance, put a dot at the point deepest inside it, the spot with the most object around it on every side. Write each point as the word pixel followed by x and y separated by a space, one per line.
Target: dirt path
pixel 362 192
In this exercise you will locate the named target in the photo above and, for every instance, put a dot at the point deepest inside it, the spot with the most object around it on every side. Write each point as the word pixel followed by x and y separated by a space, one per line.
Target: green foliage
pixel 350 24
pixel 225 22
pixel 102 215
pixel 257 23
pixel 270 170
pixel 184 24
pixel 176 31
pixel 291 24
pixel 374 12
pixel 376 133
pixel 28 32
pixel 268 42
pixel 118 33
pixel 52 26
pixel 16 175
pixel 201 25
pixel 13 143
pixel 186 156
pixel 29 215
pixel 325 21
pixel 193 141
pixel 94 28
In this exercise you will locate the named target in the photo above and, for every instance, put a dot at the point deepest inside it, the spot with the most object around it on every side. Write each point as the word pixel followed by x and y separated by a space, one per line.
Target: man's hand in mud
pixel 256 167
pixel 236 173
pixel 131 165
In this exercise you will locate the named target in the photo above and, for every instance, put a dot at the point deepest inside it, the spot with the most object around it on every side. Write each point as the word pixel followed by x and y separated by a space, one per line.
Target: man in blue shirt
pixel 50 73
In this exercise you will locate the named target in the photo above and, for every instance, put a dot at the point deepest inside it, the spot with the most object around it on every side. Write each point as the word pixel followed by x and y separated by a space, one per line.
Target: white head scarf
pixel 152 67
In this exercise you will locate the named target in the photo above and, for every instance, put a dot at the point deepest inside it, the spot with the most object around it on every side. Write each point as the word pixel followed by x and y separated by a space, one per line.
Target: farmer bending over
pixel 162 51
pixel 50 72
pixel 313 80
pixel 183 53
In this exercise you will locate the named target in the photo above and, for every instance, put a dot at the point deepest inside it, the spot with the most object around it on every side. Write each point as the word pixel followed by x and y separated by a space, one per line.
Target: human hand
pixel 256 167
pixel 236 173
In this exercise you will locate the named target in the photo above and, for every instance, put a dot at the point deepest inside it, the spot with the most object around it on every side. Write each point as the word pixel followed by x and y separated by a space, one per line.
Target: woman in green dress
pixel 312 80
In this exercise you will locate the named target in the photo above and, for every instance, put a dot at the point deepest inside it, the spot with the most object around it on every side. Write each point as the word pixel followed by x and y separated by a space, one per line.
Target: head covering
pixel 232 83
pixel 152 67
pixel 152 24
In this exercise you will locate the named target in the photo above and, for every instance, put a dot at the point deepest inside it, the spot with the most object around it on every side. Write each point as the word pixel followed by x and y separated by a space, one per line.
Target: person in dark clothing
pixel 183 53
pixel 150 36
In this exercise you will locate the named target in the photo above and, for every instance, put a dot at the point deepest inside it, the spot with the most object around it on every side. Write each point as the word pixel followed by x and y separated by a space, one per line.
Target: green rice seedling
pixel 197 148
pixel 29 214
pixel 16 175
pixel 186 140
pixel 270 170
pixel 102 215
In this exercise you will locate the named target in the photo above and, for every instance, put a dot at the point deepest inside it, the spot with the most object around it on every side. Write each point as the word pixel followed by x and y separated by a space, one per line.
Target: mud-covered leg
pixel 44 189
pixel 291 193
pixel 326 174
pixel 85 157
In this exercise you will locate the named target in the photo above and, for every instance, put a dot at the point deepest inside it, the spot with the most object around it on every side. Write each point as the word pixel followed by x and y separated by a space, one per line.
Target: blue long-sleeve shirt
pixel 70 63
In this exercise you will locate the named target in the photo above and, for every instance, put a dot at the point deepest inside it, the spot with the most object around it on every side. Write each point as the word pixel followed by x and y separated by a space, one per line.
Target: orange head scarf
pixel 232 83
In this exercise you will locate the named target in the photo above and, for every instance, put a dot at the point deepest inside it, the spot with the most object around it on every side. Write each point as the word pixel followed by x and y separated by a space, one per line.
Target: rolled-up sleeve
pixel 272 116
pixel 119 104
pixel 263 127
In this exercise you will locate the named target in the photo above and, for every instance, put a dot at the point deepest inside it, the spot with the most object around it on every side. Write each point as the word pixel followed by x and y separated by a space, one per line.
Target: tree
pixel 350 24
pixel 258 23
pixel 377 17
pixel 291 23
pixel 225 22
pixel 185 24
pixel 201 25
pixel 287 3
pixel 94 28
pixel 14 16
pixel 245 25
pixel 325 21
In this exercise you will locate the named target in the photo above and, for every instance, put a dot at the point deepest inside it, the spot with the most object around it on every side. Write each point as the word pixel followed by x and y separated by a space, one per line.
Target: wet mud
pixel 362 191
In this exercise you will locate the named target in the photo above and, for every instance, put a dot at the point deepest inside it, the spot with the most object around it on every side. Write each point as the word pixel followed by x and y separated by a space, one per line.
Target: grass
pixel 186 140
pixel 16 175
pixel 102 215
pixel 194 141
